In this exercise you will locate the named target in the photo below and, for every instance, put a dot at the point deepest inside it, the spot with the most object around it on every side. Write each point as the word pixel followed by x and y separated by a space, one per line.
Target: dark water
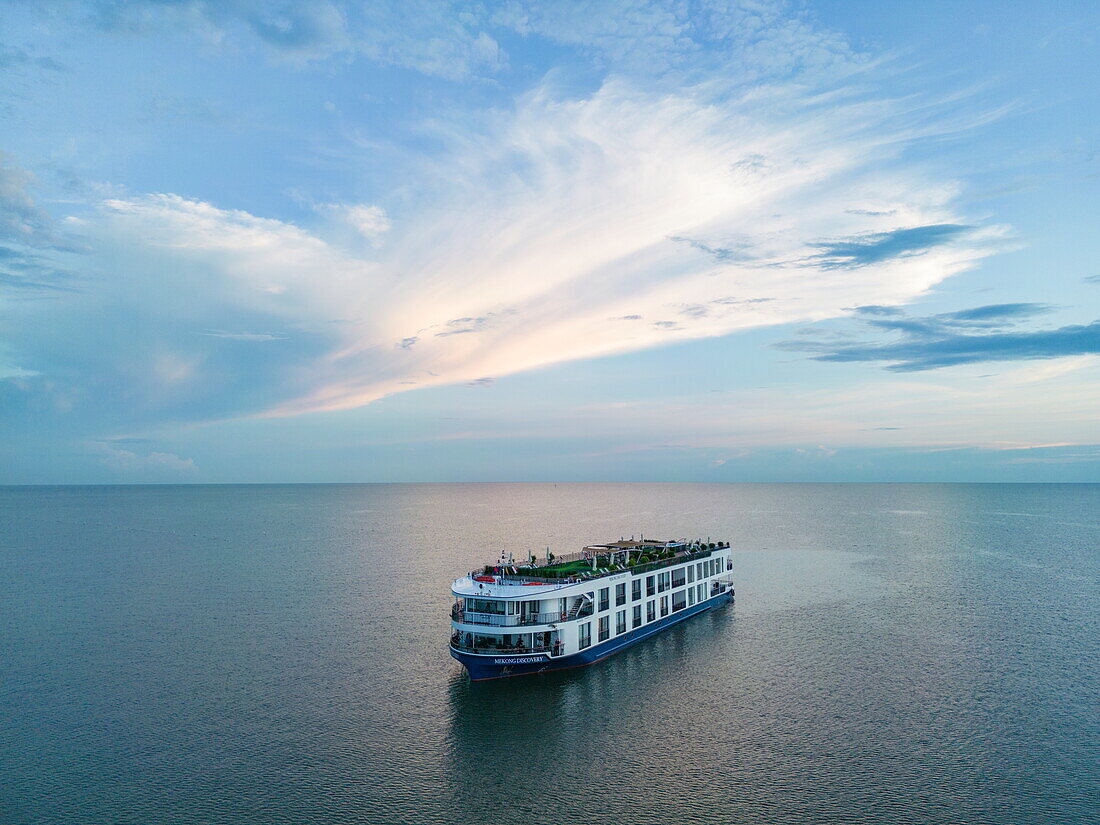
pixel 278 654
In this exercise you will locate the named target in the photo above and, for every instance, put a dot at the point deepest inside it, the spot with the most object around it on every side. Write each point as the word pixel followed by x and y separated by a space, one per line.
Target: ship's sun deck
pixel 635 556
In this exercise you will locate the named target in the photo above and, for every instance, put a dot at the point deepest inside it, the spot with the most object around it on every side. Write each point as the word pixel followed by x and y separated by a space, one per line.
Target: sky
pixel 738 240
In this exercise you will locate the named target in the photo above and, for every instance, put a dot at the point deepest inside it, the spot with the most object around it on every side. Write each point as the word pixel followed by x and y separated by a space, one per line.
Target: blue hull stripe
pixel 486 667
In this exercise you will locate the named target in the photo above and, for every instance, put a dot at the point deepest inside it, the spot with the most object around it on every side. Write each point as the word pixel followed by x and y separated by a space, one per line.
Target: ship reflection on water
pixel 531 743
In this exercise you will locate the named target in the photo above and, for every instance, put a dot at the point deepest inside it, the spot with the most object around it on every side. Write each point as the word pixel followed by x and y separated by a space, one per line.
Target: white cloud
pixel 434 37
pixel 751 38
pixel 563 215
pixel 941 412
pixel 956 410
pixel 21 219
pixel 244 336
pixel 367 220
pixel 460 41
pixel 534 228
pixel 531 237
pixel 129 462
pixel 242 263
pixel 10 371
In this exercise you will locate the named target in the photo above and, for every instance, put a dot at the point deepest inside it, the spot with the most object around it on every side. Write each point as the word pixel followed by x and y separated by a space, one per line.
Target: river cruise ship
pixel 512 619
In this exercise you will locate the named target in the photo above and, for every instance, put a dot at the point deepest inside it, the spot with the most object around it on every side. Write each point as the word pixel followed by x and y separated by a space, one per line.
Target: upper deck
pixel 514 588
pixel 511 580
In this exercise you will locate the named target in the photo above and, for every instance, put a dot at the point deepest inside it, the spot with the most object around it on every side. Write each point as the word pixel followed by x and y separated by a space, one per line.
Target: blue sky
pixel 420 241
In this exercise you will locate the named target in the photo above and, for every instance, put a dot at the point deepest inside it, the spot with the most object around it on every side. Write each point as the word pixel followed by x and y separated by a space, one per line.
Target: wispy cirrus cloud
pixel 945 349
pixel 367 220
pixel 916 410
pixel 774 192
pixel 435 37
pixel 723 254
pixel 130 457
pixel 244 336
pixel 33 252
pixel 876 247
pixel 949 339
pixel 16 59
pixel 22 220
pixel 534 226
pixel 458 41
pixel 306 30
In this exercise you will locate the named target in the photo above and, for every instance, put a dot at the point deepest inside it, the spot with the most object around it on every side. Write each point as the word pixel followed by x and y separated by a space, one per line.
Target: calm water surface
pixel 243 654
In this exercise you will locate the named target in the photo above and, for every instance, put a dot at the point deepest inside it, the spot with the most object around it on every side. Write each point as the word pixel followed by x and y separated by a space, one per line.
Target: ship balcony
pixel 721 585
pixel 507 645
pixel 458 614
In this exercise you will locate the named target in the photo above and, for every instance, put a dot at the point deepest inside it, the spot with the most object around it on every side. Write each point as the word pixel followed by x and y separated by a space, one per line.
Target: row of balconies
pixel 501 620
pixel 458 643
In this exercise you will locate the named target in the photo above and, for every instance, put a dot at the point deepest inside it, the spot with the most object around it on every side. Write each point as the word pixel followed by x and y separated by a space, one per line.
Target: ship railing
pixel 521 576
pixel 721 585
pixel 500 620
pixel 695 555
pixel 553 649
pixel 597 551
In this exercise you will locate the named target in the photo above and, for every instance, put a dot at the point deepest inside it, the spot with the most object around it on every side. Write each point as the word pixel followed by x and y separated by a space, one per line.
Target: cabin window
pixel 620 622
pixel 664 605
pixel 603 597
pixel 605 628
pixel 691 596
pixel 620 594
pixel 679 577
pixel 585 635
pixel 691 573
pixel 485 606
pixel 679 600
pixel 651 610
pixel 637 617
pixel 700 591
pixel 662 582
pixel 636 590
pixel 649 585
